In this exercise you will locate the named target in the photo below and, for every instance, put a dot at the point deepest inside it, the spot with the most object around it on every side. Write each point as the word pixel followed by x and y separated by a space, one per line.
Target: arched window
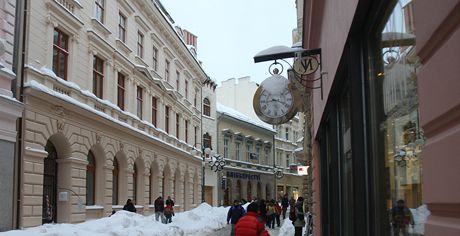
pixel 206 107
pixel 207 141
pixel 90 179
pixel 135 183
pixel 115 173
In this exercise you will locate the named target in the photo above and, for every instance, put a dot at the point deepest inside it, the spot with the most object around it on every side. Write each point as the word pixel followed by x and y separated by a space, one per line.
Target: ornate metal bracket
pixel 306 63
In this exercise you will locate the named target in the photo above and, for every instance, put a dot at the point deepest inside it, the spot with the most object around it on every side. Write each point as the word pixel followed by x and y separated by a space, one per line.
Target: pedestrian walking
pixel 170 202
pixel 251 224
pixel 169 213
pixel 298 220
pixel 263 209
pixel 284 205
pixel 277 213
pixel 129 206
pixel 234 214
pixel 271 215
pixel 159 209
pixel 401 217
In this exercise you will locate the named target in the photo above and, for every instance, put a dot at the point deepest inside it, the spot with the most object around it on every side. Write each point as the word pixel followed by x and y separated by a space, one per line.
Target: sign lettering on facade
pixel 237 175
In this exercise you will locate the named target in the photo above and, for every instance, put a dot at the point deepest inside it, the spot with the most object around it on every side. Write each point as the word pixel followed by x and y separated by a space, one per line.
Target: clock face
pixel 276 105
pixel 275 100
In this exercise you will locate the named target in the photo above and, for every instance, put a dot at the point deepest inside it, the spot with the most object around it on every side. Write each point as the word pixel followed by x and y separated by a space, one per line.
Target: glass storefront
pixel 396 73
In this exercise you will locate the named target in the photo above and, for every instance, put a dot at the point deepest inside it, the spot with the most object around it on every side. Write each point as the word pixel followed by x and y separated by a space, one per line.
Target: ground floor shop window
pixel 400 136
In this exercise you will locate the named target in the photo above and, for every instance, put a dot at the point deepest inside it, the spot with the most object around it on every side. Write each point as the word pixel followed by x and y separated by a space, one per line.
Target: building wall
pixel 68 115
pixel 249 172
pixel 438 34
pixel 238 94
pixel 10 111
pixel 210 127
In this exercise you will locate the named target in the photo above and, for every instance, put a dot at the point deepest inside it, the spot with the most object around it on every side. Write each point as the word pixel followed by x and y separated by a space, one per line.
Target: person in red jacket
pixel 251 224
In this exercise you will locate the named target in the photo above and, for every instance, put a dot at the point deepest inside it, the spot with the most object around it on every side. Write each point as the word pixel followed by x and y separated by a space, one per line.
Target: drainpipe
pixel 17 88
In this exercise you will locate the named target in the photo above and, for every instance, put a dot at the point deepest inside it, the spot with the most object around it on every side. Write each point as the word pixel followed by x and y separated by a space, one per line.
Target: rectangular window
pixel 287 134
pixel 154 111
pixel 226 141
pixel 186 131
pixel 248 152
pixel 60 53
pixel 140 44
pixel 122 27
pixel 258 154
pixel 186 89
pixel 98 76
pixel 177 81
pixel 195 98
pixel 267 156
pixel 288 160
pixel 139 101
pixel 238 151
pixel 121 91
pixel 196 134
pixel 177 125
pixel 167 119
pixel 167 70
pixel 155 58
pixel 99 10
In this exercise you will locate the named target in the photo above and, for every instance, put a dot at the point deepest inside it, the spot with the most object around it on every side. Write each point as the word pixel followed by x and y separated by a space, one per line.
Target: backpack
pixel 270 210
pixel 292 214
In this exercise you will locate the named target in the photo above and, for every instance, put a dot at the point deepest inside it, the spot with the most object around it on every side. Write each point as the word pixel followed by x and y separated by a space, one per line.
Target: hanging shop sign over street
pixel 302 170
pixel 306 65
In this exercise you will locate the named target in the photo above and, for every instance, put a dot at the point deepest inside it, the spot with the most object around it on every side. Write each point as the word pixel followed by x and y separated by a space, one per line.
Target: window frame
pixel 140 44
pixel 99 5
pixel 60 51
pixel 121 90
pixel 177 125
pixel 115 186
pixel 122 26
pixel 155 58
pixel 206 107
pixel 139 101
pixel 98 76
pixel 154 110
pixel 167 65
pixel 167 111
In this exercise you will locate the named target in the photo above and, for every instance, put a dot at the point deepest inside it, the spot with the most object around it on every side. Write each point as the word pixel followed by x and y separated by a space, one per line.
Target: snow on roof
pixel 242 117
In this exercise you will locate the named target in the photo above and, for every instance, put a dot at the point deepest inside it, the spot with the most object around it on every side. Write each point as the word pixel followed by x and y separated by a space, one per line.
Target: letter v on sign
pixel 306 65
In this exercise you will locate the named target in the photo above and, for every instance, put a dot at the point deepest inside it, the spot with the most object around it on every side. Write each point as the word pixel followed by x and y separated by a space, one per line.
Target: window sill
pixel 94 207
pixel 140 61
pixel 101 27
pixel 121 45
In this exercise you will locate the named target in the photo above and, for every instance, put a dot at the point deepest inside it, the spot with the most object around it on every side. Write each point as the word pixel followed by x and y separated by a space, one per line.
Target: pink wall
pixel 438 36
pixel 327 24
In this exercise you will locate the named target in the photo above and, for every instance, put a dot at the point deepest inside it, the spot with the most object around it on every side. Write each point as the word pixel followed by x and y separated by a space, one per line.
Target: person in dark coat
pixel 263 210
pixel 284 205
pixel 170 202
pixel 251 224
pixel 234 214
pixel 169 213
pixel 299 222
pixel 129 206
pixel 159 209
pixel 401 217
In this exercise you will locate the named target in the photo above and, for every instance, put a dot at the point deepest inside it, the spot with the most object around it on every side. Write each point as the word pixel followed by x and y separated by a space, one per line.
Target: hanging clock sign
pixel 275 101
pixel 306 65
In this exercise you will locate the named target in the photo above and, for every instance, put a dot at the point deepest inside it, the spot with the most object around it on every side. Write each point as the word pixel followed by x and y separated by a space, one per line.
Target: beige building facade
pixel 247 146
pixel 113 109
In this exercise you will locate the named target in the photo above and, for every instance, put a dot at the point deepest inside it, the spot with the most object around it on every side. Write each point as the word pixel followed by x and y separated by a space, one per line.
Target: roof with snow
pixel 242 117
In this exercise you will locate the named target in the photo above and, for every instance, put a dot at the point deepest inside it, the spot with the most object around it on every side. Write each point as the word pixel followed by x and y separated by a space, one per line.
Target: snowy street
pixel 201 221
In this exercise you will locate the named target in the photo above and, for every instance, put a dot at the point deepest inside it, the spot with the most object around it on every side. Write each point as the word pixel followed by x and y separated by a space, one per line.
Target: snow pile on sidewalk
pixel 202 220
pixel 420 215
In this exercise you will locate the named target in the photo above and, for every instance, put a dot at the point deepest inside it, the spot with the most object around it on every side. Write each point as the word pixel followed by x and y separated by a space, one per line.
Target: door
pixel 208 195
pixel 49 210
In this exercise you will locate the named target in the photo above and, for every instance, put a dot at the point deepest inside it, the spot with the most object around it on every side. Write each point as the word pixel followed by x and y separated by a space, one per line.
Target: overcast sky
pixel 231 32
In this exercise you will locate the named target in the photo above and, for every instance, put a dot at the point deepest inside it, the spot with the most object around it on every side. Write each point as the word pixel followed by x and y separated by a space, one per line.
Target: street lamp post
pixel 216 163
